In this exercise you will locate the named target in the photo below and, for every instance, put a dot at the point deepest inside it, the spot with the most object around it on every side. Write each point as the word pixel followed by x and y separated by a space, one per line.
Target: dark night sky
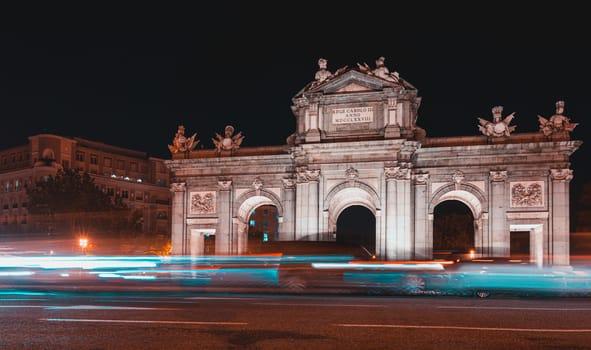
pixel 132 77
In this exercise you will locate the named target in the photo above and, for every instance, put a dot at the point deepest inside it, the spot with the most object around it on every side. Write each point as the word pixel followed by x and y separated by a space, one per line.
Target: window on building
pixel 120 164
pixel 66 164
pixel 161 182
pixel 133 166
pixel 15 205
pixel 48 154
pixel 108 162
pixel 124 194
pixel 139 196
pixel 5 206
pixel 93 159
pixel 161 215
pixel 80 156
pixel 251 223
pixel 24 205
pixel 265 224
pixel 111 191
pixel 265 212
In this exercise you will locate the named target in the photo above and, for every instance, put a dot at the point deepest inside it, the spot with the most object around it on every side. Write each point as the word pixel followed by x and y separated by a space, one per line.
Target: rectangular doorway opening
pixel 208 244
pixel 520 245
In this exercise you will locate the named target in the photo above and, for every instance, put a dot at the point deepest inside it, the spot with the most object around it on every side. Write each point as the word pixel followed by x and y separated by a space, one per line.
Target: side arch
pixel 243 205
pixel 347 194
pixel 253 199
pixel 468 194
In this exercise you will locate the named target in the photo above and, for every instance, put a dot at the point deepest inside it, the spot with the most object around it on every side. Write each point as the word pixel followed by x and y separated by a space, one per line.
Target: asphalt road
pixel 96 321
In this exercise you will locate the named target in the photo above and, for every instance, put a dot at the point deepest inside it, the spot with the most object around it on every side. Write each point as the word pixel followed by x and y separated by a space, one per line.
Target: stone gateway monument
pixel 357 143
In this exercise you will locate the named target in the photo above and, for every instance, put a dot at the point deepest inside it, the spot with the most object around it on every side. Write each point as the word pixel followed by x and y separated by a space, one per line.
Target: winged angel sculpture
pixel 228 142
pixel 557 123
pixel 498 127
pixel 181 143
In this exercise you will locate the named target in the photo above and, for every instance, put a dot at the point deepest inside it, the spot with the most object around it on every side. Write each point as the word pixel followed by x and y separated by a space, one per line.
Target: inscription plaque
pixel 350 115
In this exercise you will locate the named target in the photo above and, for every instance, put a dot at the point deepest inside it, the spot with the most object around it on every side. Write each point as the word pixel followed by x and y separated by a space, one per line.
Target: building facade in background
pixel 140 181
pixel 357 144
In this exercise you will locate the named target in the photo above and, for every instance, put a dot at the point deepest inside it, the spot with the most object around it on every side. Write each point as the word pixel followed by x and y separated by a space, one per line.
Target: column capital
pixel 397 173
pixel 178 187
pixel 224 184
pixel 313 175
pixel 498 175
pixel 561 174
pixel 289 183
pixel 420 179
pixel 391 172
pixel 306 175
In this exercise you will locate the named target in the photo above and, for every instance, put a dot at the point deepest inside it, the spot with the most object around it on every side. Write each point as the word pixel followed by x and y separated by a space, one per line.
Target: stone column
pixel 287 232
pixel 389 236
pixel 423 243
pixel 405 239
pixel 482 236
pixel 560 225
pixel 499 244
pixel 179 239
pixel 301 224
pixel 313 204
pixel 241 236
pixel 223 238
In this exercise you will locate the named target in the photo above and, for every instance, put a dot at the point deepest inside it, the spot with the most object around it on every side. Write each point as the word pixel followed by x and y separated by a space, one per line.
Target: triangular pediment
pixel 353 87
pixel 351 81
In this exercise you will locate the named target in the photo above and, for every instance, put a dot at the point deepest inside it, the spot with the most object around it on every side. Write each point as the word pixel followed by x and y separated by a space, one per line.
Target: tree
pixel 72 197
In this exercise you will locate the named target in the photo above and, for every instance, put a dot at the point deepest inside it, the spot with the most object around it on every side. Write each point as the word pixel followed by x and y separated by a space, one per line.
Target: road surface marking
pixel 518 308
pixel 221 298
pixel 325 305
pixel 104 307
pixel 555 330
pixel 141 321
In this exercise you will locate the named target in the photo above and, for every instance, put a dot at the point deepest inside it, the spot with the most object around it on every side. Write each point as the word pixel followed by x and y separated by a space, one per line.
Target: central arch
pixel 346 195
pixel 356 228
pixel 473 198
pixel 453 227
